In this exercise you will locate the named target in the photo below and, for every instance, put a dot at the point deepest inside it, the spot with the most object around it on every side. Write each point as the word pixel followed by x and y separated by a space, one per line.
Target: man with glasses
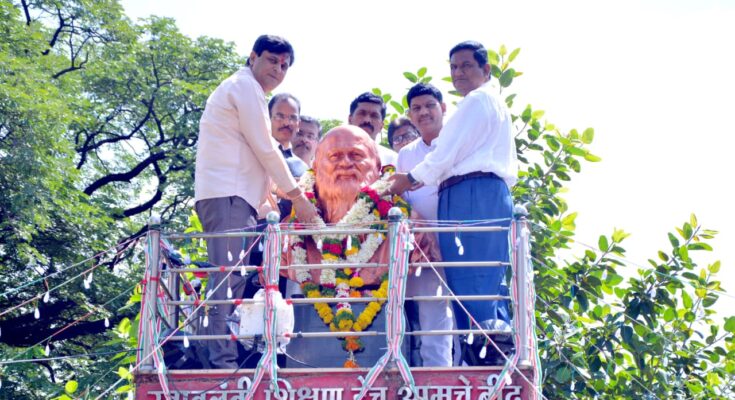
pixel 474 163
pixel 400 133
pixel 236 165
pixel 306 138
pixel 426 111
pixel 284 111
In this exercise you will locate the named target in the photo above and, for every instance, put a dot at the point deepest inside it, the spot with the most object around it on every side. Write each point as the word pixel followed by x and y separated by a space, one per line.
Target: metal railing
pixel 170 287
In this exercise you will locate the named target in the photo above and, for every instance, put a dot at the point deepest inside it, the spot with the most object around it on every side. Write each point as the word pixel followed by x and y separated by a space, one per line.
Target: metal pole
pixel 172 284
pixel 523 279
pixel 394 217
pixel 148 314
pixel 176 296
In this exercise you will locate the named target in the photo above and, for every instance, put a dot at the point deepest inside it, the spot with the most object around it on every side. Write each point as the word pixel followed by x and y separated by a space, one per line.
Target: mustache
pixel 367 124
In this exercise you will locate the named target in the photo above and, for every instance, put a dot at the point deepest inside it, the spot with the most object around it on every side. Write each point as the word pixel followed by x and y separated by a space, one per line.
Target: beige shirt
pixel 236 154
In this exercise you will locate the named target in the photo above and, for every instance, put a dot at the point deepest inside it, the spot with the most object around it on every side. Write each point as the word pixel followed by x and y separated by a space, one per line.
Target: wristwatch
pixel 411 179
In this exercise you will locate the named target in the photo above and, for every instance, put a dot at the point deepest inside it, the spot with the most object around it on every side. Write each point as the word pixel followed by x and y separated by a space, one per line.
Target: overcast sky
pixel 654 78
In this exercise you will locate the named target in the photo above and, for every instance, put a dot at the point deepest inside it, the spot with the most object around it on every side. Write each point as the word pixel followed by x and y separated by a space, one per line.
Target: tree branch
pixel 72 67
pixel 57 33
pixel 125 176
pixel 27 14
pixel 50 369
pixel 156 197
pixel 89 143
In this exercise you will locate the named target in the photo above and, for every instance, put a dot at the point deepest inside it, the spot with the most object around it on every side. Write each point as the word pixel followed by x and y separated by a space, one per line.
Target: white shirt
pixel 477 137
pixel 236 154
pixel 426 199
pixel 387 156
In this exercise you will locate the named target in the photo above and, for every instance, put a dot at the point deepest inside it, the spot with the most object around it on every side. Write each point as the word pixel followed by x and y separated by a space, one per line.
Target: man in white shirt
pixel 237 159
pixel 368 112
pixel 475 165
pixel 426 111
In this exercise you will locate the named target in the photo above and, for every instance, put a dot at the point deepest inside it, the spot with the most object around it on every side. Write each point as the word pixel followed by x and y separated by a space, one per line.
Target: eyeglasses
pixel 291 118
pixel 409 136
pixel 307 135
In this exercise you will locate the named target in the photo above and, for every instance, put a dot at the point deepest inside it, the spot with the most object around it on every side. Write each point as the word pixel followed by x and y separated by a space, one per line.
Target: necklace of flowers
pixel 369 209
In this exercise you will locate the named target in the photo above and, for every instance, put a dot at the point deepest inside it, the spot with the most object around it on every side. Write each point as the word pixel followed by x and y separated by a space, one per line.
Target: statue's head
pixel 346 160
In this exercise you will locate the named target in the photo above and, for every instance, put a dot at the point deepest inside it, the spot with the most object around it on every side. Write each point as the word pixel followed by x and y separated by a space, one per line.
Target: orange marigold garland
pixel 369 209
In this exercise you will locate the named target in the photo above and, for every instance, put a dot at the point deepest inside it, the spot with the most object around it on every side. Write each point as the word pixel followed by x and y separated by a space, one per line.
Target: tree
pixel 96 113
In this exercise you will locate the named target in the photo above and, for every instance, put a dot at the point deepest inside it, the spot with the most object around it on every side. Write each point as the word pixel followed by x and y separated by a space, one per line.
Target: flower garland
pixel 369 209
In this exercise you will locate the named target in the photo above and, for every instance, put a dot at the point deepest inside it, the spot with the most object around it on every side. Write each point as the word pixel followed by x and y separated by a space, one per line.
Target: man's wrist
pixel 294 194
pixel 411 179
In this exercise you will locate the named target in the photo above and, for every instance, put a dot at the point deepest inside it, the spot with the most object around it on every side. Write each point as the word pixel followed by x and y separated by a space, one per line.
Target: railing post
pixel 524 278
pixel 395 215
pixel 271 266
pixel 174 281
pixel 148 314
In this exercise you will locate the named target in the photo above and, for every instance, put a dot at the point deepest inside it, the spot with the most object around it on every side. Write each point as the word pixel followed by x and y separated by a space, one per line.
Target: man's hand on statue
pixel 371 276
pixel 305 210
pixel 279 193
pixel 400 183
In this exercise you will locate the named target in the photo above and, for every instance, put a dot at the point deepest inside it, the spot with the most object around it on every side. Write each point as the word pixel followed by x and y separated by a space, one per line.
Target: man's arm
pixel 462 131
pixel 250 110
pixel 401 183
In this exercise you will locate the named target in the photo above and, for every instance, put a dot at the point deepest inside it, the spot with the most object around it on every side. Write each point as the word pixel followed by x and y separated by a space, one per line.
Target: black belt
pixel 451 181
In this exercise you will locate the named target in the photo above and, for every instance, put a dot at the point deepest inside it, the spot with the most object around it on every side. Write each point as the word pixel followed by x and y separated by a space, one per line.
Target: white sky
pixel 654 78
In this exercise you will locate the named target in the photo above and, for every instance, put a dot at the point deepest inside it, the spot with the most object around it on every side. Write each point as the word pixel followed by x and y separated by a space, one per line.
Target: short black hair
pixel 368 97
pixel 397 123
pixel 478 51
pixel 274 44
pixel 312 120
pixel 421 89
pixel 281 97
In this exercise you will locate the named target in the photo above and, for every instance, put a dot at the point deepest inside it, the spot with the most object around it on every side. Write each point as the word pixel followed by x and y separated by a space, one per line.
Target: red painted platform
pixel 466 383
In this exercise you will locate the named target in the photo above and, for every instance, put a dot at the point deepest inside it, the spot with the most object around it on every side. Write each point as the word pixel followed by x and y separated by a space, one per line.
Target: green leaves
pixel 513 55
pixel 730 324
pixel 563 374
pixel 506 78
pixel 493 57
pixel 419 76
pixel 588 135
pixel 71 387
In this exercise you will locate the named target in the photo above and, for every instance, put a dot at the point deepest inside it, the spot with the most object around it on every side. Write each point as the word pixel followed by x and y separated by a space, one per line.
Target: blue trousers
pixel 479 198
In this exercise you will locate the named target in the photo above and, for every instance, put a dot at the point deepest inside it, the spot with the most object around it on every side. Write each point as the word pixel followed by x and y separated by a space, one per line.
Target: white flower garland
pixel 359 213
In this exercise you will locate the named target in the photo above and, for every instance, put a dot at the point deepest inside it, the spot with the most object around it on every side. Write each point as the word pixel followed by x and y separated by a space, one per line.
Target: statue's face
pixel 346 160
